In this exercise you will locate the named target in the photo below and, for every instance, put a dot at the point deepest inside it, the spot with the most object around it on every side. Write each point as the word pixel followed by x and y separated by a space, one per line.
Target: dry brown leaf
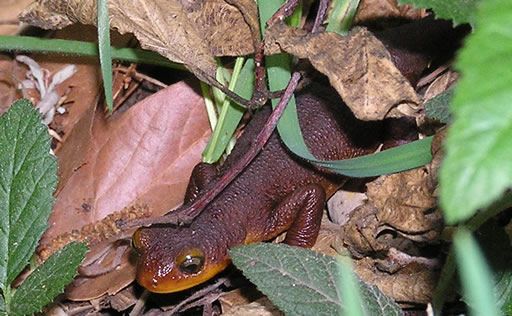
pixel 189 32
pixel 261 307
pixel 406 204
pixel 8 84
pixel 403 204
pixel 371 10
pixel 441 84
pixel 413 284
pixel 342 203
pixel 85 289
pixel 145 154
pixel 327 236
pixel 359 67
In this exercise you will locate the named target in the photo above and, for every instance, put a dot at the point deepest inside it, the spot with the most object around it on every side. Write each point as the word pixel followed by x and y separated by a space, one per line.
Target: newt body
pixel 277 192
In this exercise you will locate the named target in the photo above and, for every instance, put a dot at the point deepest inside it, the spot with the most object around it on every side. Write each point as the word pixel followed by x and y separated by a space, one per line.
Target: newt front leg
pixel 299 214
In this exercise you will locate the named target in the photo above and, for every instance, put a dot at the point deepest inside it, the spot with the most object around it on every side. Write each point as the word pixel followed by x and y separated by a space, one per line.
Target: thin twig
pixel 261 93
pixel 198 295
pixel 138 309
pixel 284 11
pixel 320 15
pixel 9 22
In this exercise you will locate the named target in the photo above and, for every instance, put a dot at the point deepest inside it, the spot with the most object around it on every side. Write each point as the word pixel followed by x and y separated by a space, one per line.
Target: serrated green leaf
pixel 48 280
pixel 477 168
pixel 438 108
pixel 460 11
pixel 474 270
pixel 27 181
pixel 302 282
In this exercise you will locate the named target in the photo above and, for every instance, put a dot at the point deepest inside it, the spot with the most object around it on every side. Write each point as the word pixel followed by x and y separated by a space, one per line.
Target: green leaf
pixel 302 282
pixel 83 49
pixel 405 157
pixel 230 115
pixel 438 108
pixel 27 181
pixel 349 289
pixel 473 271
pixel 342 15
pixel 460 11
pixel 495 244
pixel 477 168
pixel 48 280
pixel 104 49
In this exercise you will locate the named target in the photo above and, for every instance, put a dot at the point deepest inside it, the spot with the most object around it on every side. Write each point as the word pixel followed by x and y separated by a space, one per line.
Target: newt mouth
pixel 155 281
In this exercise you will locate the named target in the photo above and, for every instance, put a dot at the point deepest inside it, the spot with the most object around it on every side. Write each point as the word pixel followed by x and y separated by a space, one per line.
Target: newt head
pixel 172 259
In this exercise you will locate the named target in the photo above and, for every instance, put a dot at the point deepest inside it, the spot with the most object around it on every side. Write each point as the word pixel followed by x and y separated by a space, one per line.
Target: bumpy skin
pixel 277 192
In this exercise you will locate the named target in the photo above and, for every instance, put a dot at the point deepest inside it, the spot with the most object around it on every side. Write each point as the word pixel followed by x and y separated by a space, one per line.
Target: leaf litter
pixel 204 30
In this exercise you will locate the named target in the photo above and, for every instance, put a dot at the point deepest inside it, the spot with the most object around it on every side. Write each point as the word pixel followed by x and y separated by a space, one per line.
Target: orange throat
pixel 175 282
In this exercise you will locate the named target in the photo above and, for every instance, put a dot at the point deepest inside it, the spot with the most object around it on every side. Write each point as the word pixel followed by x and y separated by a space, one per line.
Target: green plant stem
pixel 449 268
pixel 342 15
pixel 83 49
pixel 7 297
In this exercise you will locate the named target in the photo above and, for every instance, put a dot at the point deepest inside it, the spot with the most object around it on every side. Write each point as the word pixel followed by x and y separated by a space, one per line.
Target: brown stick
pixel 320 15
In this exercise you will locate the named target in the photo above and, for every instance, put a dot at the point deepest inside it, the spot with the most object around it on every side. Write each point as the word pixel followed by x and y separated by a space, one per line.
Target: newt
pixel 277 192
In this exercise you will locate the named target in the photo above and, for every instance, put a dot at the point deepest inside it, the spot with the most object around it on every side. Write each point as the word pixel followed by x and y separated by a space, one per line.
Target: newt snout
pixel 167 268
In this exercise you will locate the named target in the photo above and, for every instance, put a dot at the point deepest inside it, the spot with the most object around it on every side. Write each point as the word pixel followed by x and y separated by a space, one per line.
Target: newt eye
pixel 136 241
pixel 191 262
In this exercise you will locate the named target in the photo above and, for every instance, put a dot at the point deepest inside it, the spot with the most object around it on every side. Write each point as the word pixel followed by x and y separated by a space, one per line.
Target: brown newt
pixel 277 192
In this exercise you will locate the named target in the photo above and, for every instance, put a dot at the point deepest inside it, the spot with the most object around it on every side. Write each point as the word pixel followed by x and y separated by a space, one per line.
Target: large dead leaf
pixel 359 67
pixel 143 155
pixel 189 32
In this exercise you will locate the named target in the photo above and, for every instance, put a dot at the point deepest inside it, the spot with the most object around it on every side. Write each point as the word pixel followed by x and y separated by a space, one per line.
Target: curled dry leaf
pixel 406 204
pixel 359 67
pixel 372 10
pixel 413 284
pixel 261 307
pixel 402 204
pixel 398 219
pixel 189 32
